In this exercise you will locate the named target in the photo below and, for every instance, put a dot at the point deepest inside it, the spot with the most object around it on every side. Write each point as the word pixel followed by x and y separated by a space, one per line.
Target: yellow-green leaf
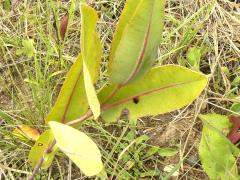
pixel 71 102
pixel 136 40
pixel 91 93
pixel 90 43
pixel 38 150
pixel 78 147
pixel 91 53
pixel 162 90
pixel 216 152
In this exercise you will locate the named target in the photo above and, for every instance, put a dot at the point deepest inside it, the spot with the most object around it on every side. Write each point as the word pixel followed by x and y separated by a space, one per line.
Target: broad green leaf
pixel 71 102
pixel 38 150
pixel 127 13
pixel 91 53
pixel 78 147
pixel 136 40
pixel 162 90
pixel 215 150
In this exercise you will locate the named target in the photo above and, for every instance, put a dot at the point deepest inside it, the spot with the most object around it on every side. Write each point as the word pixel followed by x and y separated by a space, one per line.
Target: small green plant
pixel 217 154
pixel 133 85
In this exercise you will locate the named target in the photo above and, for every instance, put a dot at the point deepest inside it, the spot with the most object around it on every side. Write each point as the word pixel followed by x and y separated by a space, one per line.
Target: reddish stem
pixel 41 160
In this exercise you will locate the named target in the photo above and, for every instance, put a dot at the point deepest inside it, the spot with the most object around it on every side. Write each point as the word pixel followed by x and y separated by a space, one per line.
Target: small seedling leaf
pixel 167 152
pixel 27 48
pixel 194 55
pixel 172 170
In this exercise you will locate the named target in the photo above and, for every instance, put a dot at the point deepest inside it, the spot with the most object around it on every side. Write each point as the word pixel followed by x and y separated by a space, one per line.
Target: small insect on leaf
pixel 63 26
pixel 24 131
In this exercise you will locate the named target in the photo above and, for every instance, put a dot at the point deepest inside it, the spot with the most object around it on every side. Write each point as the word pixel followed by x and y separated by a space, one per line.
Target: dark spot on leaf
pixel 136 100
pixel 40 144
pixel 234 134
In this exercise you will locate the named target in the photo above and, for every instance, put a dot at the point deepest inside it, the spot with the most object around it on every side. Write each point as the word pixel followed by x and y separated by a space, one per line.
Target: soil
pixel 164 131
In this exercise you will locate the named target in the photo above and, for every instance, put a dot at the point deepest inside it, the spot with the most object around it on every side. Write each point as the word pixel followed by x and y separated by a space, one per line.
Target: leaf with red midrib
pixel 234 134
pixel 135 44
pixel 162 90
pixel 71 102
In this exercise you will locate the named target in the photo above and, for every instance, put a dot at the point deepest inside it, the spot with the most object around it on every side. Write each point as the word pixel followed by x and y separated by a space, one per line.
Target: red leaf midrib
pixel 139 95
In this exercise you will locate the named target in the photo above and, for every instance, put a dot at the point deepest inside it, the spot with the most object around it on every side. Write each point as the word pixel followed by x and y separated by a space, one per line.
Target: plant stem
pixel 41 160
pixel 49 149
pixel 81 119
pixel 84 117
